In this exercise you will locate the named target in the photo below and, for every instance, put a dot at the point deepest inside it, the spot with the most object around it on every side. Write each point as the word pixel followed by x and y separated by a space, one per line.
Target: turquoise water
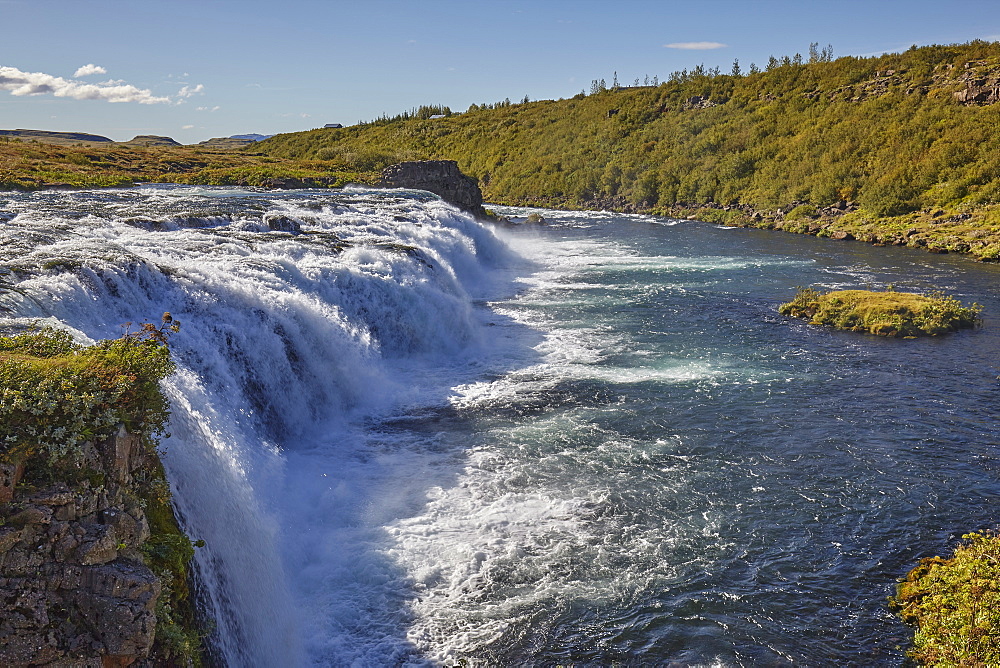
pixel 592 441
pixel 689 476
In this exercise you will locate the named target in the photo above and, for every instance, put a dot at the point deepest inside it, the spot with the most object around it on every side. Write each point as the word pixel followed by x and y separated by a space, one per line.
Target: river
pixel 409 438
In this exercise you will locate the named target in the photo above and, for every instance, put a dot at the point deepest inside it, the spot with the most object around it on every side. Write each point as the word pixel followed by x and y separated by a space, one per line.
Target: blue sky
pixel 209 68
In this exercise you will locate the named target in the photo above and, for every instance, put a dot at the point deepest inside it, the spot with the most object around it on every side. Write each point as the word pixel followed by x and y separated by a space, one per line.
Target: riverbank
pixel 973 231
pixel 970 230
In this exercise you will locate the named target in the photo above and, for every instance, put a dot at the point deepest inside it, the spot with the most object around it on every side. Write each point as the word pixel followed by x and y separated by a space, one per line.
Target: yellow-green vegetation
pixel 29 166
pixel 168 553
pixel 55 395
pixel 955 605
pixel 896 149
pixel 899 149
pixel 886 313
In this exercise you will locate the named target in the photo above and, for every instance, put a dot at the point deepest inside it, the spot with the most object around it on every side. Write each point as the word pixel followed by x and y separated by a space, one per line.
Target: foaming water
pixel 410 439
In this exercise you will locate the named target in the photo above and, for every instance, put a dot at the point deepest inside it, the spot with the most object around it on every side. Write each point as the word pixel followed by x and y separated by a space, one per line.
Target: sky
pixel 196 69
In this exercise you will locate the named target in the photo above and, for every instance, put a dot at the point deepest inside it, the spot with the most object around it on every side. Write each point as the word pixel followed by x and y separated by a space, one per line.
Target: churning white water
pixel 291 340
pixel 409 438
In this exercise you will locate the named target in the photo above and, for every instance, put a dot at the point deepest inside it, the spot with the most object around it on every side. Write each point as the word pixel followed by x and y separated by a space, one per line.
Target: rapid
pixel 411 438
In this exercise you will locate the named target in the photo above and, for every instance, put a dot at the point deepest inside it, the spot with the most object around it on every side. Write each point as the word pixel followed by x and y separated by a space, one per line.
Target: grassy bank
pixel 35 165
pixel 954 604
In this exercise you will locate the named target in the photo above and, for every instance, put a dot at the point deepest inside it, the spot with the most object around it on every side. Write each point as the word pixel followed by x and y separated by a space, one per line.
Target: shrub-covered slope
pixel 864 138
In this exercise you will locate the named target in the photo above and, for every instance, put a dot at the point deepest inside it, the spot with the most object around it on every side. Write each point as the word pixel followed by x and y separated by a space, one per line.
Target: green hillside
pixel 902 139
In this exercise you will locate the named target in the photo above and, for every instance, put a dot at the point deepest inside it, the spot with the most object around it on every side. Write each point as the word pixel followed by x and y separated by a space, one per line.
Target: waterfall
pixel 302 313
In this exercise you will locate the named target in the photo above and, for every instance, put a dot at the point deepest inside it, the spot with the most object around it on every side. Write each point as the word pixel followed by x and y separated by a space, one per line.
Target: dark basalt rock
pixel 281 223
pixel 73 585
pixel 441 177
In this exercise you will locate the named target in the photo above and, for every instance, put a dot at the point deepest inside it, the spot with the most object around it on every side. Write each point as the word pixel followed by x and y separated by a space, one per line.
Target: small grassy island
pixel 885 313
pixel 955 605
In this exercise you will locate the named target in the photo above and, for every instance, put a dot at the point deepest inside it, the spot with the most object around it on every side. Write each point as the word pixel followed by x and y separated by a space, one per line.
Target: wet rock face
pixel 441 177
pixel 73 587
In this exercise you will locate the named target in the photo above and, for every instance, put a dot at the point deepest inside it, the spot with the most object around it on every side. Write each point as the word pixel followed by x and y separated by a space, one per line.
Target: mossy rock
pixel 955 605
pixel 58 398
pixel 885 313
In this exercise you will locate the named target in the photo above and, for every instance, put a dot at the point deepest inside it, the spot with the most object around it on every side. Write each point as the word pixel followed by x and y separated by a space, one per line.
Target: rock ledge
pixel 441 177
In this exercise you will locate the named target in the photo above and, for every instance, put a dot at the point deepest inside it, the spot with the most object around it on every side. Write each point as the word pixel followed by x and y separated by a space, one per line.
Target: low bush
pixel 955 605
pixel 55 394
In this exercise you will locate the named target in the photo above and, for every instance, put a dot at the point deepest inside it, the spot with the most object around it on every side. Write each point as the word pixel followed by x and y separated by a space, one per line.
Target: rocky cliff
pixel 74 583
pixel 441 177
pixel 93 565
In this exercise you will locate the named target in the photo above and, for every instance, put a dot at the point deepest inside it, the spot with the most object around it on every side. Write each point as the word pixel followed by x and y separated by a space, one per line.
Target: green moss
pixel 955 605
pixel 168 553
pixel 886 313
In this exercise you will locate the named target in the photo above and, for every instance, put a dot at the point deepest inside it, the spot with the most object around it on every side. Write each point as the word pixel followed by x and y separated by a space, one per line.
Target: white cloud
pixel 37 83
pixel 188 91
pixel 696 46
pixel 187 127
pixel 215 108
pixel 87 70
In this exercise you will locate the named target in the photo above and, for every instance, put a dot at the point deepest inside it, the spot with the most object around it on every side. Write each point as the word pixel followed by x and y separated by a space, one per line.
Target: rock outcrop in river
pixel 441 177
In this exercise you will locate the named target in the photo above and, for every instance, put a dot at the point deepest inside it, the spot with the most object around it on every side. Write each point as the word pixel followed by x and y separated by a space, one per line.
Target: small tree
pixel 736 71
pixel 814 56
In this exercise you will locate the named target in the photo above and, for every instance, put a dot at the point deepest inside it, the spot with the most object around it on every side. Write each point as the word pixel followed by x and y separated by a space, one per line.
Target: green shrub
pixel 955 605
pixel 55 395
pixel 801 211
pixel 886 313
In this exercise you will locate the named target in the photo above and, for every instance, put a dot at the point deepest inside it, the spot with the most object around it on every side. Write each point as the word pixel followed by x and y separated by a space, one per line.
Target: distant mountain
pixel 224 143
pixel 63 138
pixel 251 137
pixel 150 140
